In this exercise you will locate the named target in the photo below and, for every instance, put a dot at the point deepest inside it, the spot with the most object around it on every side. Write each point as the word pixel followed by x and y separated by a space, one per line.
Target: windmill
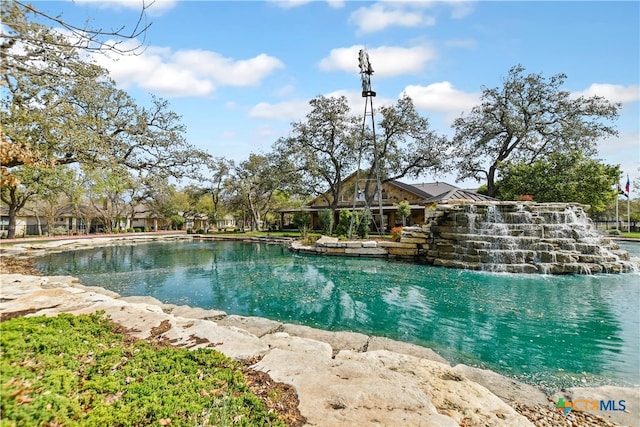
pixel 365 75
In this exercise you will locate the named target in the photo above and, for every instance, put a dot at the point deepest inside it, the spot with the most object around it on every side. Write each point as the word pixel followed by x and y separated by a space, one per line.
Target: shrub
pixel 302 220
pixel 200 231
pixel 396 233
pixel 615 233
pixel 404 210
pixel 130 230
pixel 344 222
pixel 326 221
pixel 364 223
pixel 85 373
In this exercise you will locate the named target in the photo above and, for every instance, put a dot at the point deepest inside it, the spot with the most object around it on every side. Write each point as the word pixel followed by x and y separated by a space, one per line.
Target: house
pixel 70 220
pixel 226 223
pixel 420 196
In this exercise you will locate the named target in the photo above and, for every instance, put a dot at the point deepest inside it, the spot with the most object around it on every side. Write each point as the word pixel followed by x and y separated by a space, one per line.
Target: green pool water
pixel 552 331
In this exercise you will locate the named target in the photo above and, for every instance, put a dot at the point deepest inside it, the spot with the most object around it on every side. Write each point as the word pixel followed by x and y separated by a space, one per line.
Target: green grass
pixel 632 235
pixel 78 371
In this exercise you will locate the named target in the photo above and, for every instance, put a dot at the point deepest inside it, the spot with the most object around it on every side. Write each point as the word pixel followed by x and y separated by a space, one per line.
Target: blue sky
pixel 239 72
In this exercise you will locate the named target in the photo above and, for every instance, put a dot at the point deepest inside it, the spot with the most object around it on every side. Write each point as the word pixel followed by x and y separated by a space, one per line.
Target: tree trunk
pixel 491 185
pixel 255 215
pixel 11 229
pixel 14 205
pixel 39 224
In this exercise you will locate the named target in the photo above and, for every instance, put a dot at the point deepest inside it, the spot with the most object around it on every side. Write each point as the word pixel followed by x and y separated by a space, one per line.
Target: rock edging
pixel 342 378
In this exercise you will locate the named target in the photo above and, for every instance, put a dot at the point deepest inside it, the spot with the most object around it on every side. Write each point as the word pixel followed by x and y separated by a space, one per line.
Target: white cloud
pixel 290 4
pixel 356 102
pixel 154 7
pixel 383 15
pixel 461 8
pixel 386 61
pixel 298 109
pixel 442 97
pixel 287 110
pixel 187 72
pixel 613 93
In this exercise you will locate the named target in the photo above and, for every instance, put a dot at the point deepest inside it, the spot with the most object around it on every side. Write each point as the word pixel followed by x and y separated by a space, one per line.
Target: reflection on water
pixel 546 329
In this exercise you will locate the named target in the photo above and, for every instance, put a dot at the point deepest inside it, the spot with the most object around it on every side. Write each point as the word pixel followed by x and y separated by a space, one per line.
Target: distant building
pixel 420 196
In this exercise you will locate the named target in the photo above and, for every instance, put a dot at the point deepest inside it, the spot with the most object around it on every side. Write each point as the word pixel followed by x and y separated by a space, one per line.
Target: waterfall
pixel 547 238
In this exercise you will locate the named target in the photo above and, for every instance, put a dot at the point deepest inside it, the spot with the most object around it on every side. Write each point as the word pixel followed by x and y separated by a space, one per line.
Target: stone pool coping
pixel 342 378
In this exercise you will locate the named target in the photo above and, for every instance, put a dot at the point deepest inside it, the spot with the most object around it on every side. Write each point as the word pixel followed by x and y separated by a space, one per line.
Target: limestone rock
pixel 193 312
pixel 284 341
pixel 381 343
pixel 507 389
pixel 337 340
pixel 455 396
pixel 143 300
pixel 258 326
pixel 326 239
pixel 351 392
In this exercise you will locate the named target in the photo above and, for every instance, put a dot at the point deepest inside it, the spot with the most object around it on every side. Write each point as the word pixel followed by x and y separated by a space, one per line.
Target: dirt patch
pixel 542 416
pixel 11 265
pixel 279 397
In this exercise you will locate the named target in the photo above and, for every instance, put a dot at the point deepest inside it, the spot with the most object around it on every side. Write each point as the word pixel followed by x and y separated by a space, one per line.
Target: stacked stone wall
pixel 548 238
pixel 553 238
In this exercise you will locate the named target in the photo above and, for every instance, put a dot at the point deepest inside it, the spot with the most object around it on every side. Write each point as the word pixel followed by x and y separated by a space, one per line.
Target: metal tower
pixel 365 75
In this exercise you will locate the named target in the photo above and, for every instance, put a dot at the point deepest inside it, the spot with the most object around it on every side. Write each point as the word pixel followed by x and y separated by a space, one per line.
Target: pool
pixel 551 331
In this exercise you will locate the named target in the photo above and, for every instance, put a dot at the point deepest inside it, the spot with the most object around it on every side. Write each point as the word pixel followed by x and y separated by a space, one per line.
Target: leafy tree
pixel 404 210
pixel 560 177
pixel 177 222
pixel 218 171
pixel 526 120
pixel 331 143
pixel 59 109
pixel 256 183
pixel 36 61
pixel 51 198
pixel 405 146
pixel 24 186
pixel 80 37
pixel 106 193
pixel 323 149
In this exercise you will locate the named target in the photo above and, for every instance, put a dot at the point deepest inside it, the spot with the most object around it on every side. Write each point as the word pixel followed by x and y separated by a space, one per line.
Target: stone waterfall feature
pixel 518 237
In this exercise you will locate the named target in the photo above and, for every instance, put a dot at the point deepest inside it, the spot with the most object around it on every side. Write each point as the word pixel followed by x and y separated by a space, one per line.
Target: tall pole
pixel 617 221
pixel 365 74
pixel 628 214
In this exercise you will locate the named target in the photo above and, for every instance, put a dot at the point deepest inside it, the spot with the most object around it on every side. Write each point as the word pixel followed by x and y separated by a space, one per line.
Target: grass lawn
pixel 632 235
pixel 80 371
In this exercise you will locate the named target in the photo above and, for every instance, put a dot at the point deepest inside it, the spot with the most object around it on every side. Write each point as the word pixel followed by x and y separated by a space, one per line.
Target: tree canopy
pixel 560 177
pixel 526 120
pixel 323 149
pixel 58 108
pixel 332 142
